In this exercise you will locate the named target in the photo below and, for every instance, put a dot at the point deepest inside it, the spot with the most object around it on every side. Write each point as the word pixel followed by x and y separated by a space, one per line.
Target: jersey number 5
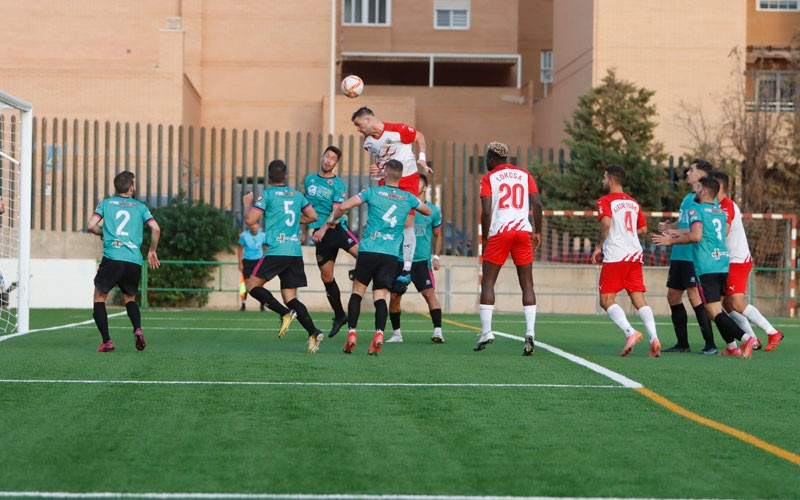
pixel 287 209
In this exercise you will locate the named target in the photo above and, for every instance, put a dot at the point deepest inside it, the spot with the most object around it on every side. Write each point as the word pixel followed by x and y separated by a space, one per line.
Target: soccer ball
pixel 352 86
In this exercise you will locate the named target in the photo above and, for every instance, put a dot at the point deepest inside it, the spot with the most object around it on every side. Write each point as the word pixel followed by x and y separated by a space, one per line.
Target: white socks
pixel 409 246
pixel 742 322
pixel 486 317
pixel 617 315
pixel 760 321
pixel 646 313
pixel 530 319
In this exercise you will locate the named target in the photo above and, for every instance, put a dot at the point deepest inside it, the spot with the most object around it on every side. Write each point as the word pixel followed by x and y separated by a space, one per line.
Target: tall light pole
pixel 332 89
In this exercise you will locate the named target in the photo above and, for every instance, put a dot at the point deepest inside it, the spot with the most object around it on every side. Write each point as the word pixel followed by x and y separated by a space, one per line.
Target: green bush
pixel 190 230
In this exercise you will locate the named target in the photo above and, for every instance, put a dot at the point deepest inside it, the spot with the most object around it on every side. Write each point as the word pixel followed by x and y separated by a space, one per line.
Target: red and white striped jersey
pixel 509 186
pixel 622 243
pixel 736 241
pixel 394 144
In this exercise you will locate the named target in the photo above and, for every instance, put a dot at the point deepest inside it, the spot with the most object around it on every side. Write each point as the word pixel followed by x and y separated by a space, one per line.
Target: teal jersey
pixel 423 229
pixel 388 208
pixel 282 207
pixel 684 252
pixel 123 227
pixel 252 244
pixel 324 193
pixel 710 255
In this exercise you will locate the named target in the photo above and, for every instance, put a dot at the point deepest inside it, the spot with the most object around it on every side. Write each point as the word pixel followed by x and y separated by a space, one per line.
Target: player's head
pixel 330 158
pixel 698 169
pixel 614 174
pixel 393 171
pixel 423 184
pixel 707 189
pixel 496 154
pixel 123 182
pixel 277 172
pixel 364 120
pixel 724 182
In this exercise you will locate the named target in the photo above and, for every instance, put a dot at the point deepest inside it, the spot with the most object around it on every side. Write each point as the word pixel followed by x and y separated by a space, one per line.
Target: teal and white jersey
pixel 282 207
pixel 388 208
pixel 684 252
pixel 423 229
pixel 324 193
pixel 123 227
pixel 710 255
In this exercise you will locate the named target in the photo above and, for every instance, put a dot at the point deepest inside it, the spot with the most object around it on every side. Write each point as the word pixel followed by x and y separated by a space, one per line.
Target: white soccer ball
pixel 352 86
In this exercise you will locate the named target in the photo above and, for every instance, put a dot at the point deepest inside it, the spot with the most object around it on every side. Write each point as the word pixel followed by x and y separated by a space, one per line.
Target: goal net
pixel 568 238
pixel 15 221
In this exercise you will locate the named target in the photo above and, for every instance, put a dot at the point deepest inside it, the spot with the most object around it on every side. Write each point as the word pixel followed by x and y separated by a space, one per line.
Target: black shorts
pixel 248 266
pixel 289 269
pixel 712 287
pixel 111 273
pixel 335 239
pixel 681 275
pixel 421 274
pixel 379 268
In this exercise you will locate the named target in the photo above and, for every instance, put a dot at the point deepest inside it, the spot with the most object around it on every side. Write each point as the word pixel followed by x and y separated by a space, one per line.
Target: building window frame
pixel 776 90
pixel 452 15
pixel 778 5
pixel 368 13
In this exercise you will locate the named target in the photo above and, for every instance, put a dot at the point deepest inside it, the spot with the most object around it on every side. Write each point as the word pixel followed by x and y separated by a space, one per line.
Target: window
pixel 367 12
pixel 779 5
pixel 451 14
pixel 546 66
pixel 776 90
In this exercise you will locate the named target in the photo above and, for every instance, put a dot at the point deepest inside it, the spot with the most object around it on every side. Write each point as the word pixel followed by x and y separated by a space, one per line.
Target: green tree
pixel 190 230
pixel 613 124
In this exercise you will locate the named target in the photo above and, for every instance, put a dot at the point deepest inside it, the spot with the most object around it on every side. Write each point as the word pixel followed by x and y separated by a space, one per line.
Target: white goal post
pixel 16 153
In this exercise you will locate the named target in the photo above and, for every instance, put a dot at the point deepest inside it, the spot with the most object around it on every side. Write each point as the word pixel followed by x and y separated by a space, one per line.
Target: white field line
pixel 59 327
pixel 279 496
pixel 306 384
pixel 616 377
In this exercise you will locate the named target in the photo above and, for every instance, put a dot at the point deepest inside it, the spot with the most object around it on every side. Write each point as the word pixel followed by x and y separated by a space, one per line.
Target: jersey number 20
pixel 514 192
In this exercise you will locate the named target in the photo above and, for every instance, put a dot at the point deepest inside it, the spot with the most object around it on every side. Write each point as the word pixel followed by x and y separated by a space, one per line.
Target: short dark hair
pixel 616 172
pixel 703 165
pixel 337 151
pixel 123 181
pixel 722 178
pixel 277 171
pixel 362 111
pixel 424 179
pixel 393 169
pixel 710 184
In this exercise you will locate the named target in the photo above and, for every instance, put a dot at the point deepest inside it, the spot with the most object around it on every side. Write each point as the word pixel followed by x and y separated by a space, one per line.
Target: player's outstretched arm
pixel 342 208
pixel 155 235
pixel 424 209
pixel 309 215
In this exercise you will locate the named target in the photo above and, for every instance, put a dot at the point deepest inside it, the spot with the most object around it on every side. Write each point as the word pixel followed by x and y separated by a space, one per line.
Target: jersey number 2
pixel 126 217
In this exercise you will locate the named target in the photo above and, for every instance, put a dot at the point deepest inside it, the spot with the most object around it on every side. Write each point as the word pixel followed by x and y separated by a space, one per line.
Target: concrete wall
pixel 658 46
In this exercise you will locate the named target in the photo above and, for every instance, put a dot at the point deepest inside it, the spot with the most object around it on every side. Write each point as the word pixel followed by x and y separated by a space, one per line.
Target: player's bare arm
pixel 422 163
pixel 605 227
pixel 309 215
pixel 239 254
pixel 155 235
pixel 424 209
pixel 341 209
pixel 94 226
pixel 486 218
pixel 680 238
pixel 252 214
pixel 437 247
pixel 535 202
pixel 667 225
